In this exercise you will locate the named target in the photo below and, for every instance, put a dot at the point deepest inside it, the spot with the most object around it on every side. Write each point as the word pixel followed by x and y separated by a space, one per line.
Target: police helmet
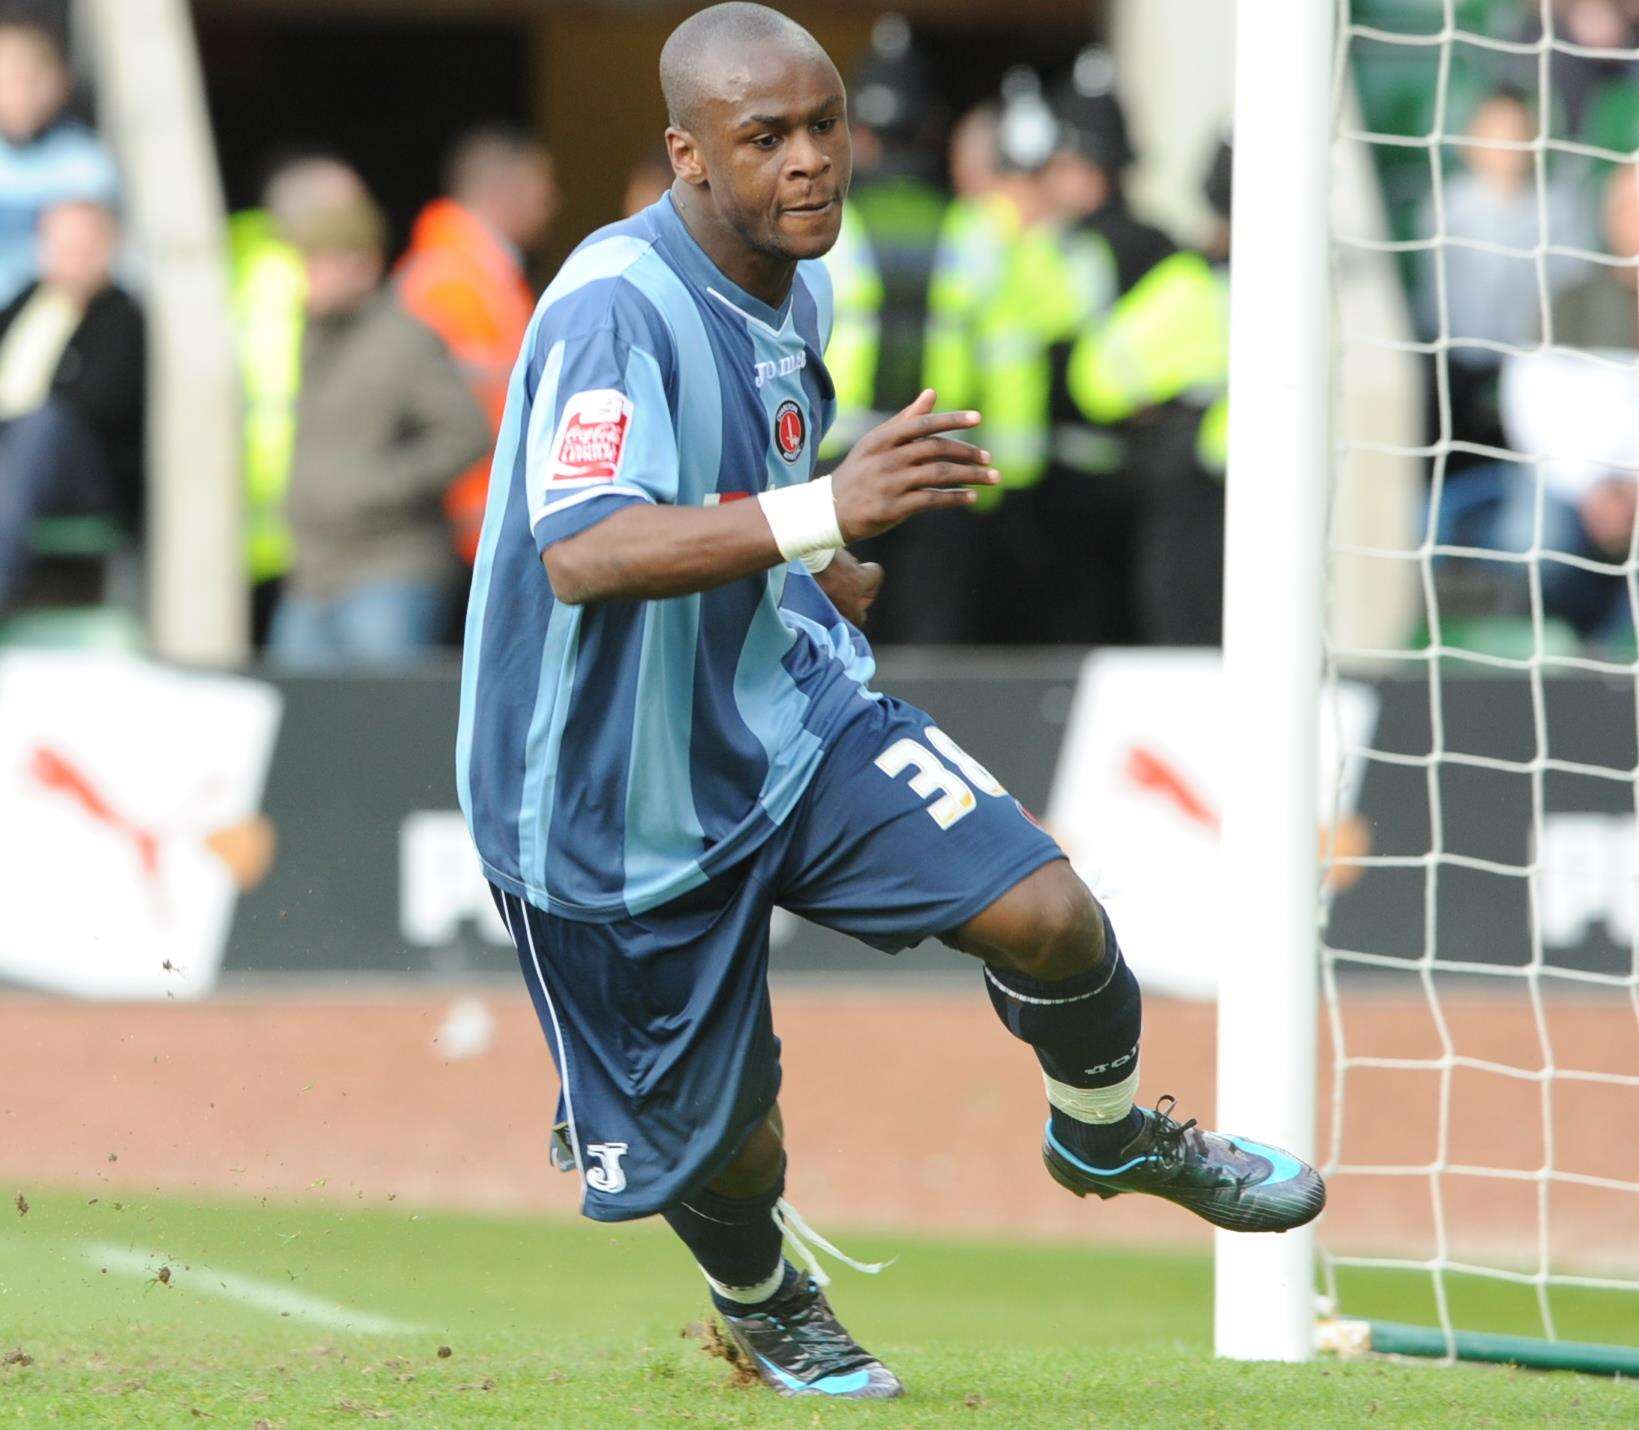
pixel 1027 134
pixel 893 91
pixel 1089 113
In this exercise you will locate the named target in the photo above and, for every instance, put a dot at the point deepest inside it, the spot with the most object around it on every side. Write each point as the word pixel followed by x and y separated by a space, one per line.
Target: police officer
pixel 1106 455
pixel 1006 287
pixel 881 271
pixel 896 206
pixel 268 294
pixel 1157 372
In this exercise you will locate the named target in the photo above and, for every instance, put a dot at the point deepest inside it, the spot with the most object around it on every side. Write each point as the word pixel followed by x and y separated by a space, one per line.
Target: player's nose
pixel 806 158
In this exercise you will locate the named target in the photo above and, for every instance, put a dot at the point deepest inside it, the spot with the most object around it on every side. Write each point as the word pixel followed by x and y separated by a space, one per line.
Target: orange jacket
pixel 466 285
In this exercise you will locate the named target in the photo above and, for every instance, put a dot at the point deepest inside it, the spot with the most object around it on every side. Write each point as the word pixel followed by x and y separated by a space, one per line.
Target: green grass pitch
pixel 553 1323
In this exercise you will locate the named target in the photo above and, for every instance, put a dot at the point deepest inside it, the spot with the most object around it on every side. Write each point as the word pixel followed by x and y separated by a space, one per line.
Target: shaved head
pixel 710 50
pixel 758 142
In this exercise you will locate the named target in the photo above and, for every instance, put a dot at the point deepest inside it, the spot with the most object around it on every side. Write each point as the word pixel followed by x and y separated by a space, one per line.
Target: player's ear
pixel 685 156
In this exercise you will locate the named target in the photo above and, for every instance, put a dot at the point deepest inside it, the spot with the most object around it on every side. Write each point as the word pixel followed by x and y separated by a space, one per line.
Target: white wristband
pixel 817 561
pixel 803 519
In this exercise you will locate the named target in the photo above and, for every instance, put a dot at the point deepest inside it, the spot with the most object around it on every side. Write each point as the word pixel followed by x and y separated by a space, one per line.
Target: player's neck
pixel 762 275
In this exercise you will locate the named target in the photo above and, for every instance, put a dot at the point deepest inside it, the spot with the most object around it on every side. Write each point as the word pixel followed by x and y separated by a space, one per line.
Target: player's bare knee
pixel 1064 934
pixel 757 1166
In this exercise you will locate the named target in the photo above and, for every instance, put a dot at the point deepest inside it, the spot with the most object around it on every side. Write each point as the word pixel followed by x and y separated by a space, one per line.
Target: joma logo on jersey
pixel 767 371
pixel 608 1176
pixel 591 437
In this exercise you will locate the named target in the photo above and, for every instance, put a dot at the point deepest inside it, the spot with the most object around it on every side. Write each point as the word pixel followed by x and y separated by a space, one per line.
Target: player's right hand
pixel 907 466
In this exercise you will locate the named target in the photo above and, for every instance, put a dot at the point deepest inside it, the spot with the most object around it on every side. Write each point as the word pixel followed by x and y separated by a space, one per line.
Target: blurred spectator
pixel 1600 311
pixel 1577 407
pixel 1217 188
pixel 71 389
pixel 881 270
pixel 45 157
pixel 1156 371
pixel 1101 479
pixel 897 195
pixel 1086 174
pixel 1491 296
pixel 464 277
pixel 384 421
pixel 985 348
pixel 268 317
pixel 648 179
pixel 973 160
pixel 1575 78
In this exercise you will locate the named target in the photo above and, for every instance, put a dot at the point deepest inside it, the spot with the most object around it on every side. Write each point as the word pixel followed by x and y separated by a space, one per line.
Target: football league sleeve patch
pixel 595 446
pixel 590 442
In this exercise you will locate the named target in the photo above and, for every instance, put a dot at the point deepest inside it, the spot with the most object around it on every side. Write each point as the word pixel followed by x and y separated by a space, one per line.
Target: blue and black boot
pixel 796 1344
pixel 1228 1181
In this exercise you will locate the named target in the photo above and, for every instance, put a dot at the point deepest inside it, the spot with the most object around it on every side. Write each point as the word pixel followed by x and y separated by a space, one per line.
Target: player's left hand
pixel 852 586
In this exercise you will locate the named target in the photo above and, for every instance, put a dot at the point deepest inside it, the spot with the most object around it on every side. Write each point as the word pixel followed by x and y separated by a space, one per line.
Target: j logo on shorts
pixel 608 1176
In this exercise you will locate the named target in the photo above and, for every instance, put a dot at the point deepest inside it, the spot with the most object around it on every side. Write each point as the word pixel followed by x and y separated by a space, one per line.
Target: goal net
pixel 1480 960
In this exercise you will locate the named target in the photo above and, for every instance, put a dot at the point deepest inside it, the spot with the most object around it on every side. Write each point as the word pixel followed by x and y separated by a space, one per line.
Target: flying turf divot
pixel 247 1291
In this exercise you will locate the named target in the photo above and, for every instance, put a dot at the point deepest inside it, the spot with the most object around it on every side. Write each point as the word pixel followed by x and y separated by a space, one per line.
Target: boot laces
pixel 803 1240
pixel 1174 1142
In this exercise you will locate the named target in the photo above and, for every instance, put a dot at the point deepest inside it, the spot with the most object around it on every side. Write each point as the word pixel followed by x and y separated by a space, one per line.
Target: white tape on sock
pixel 1094 1104
pixel 749 1295
pixel 803 518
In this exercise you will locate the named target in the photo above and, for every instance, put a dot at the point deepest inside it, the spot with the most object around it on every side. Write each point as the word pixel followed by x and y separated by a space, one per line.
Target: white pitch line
pixel 261 1295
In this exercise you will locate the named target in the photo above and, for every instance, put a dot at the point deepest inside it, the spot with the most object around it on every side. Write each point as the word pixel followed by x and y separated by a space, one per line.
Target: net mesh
pixel 1480 963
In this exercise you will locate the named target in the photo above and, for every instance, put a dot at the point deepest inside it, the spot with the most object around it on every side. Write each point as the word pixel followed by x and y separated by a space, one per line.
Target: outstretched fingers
pixel 945 449
pixel 934 498
pixel 949 474
pixel 919 420
pixel 914 427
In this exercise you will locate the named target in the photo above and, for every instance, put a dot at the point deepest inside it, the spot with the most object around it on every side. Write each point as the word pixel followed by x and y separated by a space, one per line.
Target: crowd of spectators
pixel 1529 301
pixel 71 340
pixel 992 254
pixel 373 400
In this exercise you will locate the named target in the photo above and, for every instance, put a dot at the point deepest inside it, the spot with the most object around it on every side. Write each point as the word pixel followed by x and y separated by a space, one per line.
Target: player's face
pixel 777 155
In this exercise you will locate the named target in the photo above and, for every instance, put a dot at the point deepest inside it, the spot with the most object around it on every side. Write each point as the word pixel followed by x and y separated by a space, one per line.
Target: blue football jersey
pixel 615 755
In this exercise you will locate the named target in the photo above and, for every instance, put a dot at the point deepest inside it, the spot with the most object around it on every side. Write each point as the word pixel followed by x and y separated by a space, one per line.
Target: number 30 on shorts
pixel 933 776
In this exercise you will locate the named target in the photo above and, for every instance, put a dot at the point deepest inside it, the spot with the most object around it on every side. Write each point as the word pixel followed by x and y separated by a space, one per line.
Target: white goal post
pixel 1475 948
pixel 1278 460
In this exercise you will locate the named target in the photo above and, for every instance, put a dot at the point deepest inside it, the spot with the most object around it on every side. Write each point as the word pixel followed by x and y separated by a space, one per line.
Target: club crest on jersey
pixel 591 437
pixel 790 431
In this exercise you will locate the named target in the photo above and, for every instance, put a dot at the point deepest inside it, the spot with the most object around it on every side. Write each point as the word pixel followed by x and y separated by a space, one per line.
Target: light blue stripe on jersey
pixel 663 828
pixel 776 718
pixel 545 737
pixel 507 452
pixel 817 277
pixel 543 746
pixel 776 714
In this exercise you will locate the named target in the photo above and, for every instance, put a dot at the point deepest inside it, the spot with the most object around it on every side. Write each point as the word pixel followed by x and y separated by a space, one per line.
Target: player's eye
pixel 766 141
pixel 825 126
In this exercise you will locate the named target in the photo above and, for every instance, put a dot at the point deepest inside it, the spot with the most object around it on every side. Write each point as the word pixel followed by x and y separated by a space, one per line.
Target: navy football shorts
pixel 660 1024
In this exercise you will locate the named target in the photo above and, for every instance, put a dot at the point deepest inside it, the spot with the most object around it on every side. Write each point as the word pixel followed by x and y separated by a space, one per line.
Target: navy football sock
pixel 789 1276
pixel 1085 1031
pixel 735 1239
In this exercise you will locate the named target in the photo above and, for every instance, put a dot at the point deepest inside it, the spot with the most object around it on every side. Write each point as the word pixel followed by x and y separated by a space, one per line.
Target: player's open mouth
pixel 823 206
